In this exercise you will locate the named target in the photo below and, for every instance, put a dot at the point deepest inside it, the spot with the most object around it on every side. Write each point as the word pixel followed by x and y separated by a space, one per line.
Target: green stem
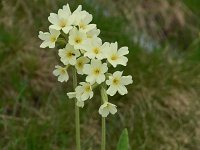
pixel 103 134
pixel 77 118
pixel 104 98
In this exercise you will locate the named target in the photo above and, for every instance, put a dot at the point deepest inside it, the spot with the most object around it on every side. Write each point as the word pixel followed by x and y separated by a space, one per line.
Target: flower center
pixel 80 64
pixel 96 71
pixel 78 40
pixel 114 57
pixel 62 71
pixel 82 26
pixel 115 81
pixel 89 36
pixel 53 39
pixel 70 54
pixel 87 88
pixel 63 23
pixel 96 50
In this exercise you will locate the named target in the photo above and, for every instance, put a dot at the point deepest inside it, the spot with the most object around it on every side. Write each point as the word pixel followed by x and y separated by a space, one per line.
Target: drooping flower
pixel 95 49
pixel 63 20
pixel 68 55
pixel 107 108
pixel 71 95
pixel 79 103
pixel 61 72
pixel 95 71
pixel 115 56
pixel 82 93
pixel 80 62
pixel 117 83
pixel 49 38
pixel 77 39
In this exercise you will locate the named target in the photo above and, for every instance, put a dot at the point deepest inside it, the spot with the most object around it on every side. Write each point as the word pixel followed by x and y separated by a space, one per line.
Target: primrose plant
pixel 84 52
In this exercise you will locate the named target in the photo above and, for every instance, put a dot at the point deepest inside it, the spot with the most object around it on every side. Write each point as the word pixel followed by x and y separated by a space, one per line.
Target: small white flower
pixel 80 62
pixel 63 20
pixel 49 39
pixel 79 103
pixel 107 108
pixel 117 82
pixel 95 49
pixel 61 72
pixel 93 33
pixel 84 25
pixel 77 39
pixel 68 55
pixel 95 71
pixel 115 56
pixel 84 91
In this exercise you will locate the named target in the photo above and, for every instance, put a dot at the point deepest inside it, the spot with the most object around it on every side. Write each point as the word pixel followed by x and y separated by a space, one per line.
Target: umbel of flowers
pixel 88 56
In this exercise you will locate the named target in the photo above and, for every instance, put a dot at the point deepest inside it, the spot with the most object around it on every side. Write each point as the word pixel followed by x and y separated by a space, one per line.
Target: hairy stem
pixel 77 118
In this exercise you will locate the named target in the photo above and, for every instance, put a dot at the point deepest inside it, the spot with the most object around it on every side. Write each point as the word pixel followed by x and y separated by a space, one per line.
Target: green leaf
pixel 123 143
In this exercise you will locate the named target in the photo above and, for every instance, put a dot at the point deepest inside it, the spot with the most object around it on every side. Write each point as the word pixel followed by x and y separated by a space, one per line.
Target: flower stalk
pixel 77 116
pixel 103 134
pixel 104 98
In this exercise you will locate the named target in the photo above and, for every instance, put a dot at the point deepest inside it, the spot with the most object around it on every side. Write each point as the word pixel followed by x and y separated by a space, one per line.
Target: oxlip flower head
pixel 84 52
pixel 115 56
pixel 95 71
pixel 117 83
pixel 68 55
pixel 107 108
pixel 61 72
pixel 49 38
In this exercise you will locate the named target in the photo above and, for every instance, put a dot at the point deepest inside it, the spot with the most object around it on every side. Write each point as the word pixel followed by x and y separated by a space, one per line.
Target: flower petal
pixel 123 51
pixel 111 90
pixel 122 90
pixel 71 95
pixel 126 80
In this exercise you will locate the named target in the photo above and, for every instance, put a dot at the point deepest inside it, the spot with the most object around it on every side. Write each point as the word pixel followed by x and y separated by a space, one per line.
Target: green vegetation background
pixel 161 111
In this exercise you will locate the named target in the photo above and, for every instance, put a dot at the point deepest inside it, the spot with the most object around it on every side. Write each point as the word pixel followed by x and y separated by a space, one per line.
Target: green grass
pixel 193 5
pixel 161 110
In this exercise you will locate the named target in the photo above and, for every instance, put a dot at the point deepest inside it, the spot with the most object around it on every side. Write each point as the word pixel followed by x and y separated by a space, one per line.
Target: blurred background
pixel 162 108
